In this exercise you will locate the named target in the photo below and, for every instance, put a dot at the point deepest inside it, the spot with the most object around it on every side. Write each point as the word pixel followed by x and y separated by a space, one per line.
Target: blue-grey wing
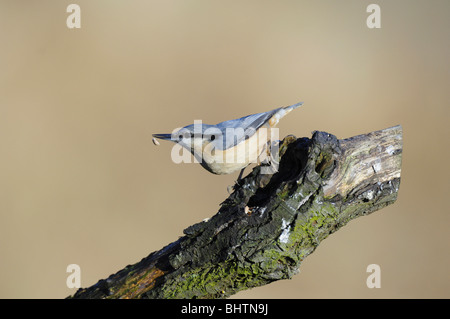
pixel 238 130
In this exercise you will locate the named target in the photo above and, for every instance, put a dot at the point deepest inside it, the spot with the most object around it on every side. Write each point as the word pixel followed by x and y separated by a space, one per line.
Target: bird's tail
pixel 285 110
pixel 293 107
pixel 281 112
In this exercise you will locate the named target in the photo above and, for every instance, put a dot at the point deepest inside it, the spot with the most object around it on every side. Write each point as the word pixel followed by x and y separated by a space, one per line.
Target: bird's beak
pixel 166 137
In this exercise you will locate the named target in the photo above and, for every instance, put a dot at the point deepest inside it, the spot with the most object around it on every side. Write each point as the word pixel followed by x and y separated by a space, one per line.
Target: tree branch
pixel 271 222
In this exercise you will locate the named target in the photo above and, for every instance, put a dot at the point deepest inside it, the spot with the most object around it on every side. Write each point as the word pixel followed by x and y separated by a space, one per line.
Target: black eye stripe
pixel 185 136
pixel 210 137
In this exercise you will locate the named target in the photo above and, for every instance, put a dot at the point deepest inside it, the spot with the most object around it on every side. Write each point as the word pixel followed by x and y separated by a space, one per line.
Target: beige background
pixel 81 181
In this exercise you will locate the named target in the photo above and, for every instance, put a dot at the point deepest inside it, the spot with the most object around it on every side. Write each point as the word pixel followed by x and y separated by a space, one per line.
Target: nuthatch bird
pixel 231 145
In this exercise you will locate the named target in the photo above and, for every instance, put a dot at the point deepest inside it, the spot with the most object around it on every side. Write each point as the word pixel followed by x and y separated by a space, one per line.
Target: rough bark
pixel 270 222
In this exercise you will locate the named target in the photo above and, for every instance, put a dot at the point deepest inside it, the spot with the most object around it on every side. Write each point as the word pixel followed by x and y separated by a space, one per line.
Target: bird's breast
pixel 237 157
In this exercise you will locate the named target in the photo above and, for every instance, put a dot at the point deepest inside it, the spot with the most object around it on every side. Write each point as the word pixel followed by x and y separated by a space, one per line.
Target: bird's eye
pixel 180 137
pixel 212 138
